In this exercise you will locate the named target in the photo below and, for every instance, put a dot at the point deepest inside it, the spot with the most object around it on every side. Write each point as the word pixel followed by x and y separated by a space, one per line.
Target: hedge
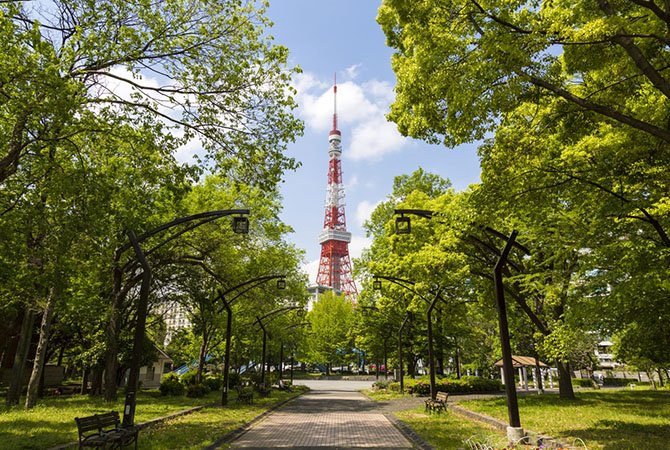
pixel 468 384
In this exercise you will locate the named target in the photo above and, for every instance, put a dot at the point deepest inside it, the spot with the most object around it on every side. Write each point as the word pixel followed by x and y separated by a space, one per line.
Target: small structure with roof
pixel 522 363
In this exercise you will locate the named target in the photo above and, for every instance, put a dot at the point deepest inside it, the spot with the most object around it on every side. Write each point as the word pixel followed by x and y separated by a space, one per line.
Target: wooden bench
pixel 244 396
pixel 105 431
pixel 439 404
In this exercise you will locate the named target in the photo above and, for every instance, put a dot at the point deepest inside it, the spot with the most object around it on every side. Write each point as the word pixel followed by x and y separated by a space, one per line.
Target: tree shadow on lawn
pixel 639 403
pixel 619 435
pixel 34 433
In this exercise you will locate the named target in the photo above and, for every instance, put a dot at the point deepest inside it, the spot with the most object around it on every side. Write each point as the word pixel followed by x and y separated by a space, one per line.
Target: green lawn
pixel 52 422
pixel 443 430
pixel 604 419
pixel 449 430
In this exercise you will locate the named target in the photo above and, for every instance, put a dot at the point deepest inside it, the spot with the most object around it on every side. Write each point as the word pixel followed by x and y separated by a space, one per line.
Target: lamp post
pixel 402 327
pixel 259 321
pixel 403 226
pixel 240 225
pixel 407 284
pixel 227 304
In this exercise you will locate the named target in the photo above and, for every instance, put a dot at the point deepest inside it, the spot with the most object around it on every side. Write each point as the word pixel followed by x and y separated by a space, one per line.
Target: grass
pixel 448 430
pixel 444 430
pixel 52 422
pixel 604 419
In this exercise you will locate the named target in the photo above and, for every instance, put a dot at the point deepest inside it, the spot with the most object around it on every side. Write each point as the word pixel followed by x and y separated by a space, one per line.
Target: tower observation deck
pixel 335 264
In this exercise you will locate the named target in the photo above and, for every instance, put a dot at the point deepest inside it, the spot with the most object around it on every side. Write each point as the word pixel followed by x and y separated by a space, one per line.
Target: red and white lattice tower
pixel 335 265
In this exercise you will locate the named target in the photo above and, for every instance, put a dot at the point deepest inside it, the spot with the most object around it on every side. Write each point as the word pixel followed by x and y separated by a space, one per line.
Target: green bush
pixel 583 382
pixel 170 385
pixel 212 381
pixel 382 384
pixel 233 379
pixel 421 386
pixel 197 390
pixel 188 378
pixel 394 386
pixel 617 381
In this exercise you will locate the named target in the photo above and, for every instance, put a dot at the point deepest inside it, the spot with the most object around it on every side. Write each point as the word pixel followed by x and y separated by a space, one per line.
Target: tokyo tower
pixel 335 265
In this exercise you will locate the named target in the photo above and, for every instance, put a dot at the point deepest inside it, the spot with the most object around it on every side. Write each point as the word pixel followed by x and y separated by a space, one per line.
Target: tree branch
pixel 636 55
pixel 597 108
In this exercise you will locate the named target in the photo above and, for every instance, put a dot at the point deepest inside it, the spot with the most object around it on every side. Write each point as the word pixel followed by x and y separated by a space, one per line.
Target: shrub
pixel 394 386
pixel 607 381
pixel 583 382
pixel 189 377
pixel 212 381
pixel 197 390
pixel 170 385
pixel 233 379
pixel 466 384
pixel 382 384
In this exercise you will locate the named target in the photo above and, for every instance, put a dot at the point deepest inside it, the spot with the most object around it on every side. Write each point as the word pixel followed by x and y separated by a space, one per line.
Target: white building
pixel 175 317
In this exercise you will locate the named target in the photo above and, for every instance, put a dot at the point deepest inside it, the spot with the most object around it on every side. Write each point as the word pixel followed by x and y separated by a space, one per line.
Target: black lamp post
pixel 240 225
pixel 259 321
pixel 407 284
pixel 402 327
pixel 227 304
pixel 403 227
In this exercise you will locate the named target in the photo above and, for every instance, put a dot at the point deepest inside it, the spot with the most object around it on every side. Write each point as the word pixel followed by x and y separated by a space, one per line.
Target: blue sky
pixel 342 37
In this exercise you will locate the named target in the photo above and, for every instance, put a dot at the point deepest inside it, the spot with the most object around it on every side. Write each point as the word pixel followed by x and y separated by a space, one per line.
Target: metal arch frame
pixel 508 369
pixel 407 284
pixel 249 284
pixel 142 304
pixel 259 321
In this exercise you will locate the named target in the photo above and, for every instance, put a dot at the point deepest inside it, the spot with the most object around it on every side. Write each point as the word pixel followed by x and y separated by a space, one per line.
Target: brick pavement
pixel 325 419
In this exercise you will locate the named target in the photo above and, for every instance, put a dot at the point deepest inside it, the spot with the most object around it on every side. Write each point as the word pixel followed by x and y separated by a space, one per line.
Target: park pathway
pixel 325 418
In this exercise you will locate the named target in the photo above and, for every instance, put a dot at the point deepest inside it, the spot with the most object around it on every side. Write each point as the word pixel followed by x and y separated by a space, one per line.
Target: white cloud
pixel 360 106
pixel 311 268
pixel 188 152
pixel 357 245
pixel 375 138
pixel 351 72
pixel 364 210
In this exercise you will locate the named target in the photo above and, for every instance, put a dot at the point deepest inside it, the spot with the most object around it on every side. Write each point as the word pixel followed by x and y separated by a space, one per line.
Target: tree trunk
pixel 457 360
pixel 40 353
pixel 565 390
pixel 650 375
pixel 538 376
pixel 660 377
pixel 96 381
pixel 84 380
pixel 201 359
pixel 112 336
pixel 16 381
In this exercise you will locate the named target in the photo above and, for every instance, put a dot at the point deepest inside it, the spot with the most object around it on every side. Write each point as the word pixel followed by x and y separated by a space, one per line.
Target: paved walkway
pixel 335 419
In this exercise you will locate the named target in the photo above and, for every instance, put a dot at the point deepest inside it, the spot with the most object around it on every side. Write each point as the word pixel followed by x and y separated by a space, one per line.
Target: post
pixel 292 364
pixel 281 360
pixel 138 342
pixel 400 364
pixel 263 357
pixel 431 360
pixel 226 358
pixel 386 368
pixel 508 369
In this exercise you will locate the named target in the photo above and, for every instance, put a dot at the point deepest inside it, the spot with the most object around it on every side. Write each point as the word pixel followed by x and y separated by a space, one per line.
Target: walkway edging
pixel 500 425
pixel 232 435
pixel 148 423
pixel 409 433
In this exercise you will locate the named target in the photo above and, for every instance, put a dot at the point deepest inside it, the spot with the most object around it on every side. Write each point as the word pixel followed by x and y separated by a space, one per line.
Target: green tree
pixel 196 69
pixel 462 65
pixel 329 340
